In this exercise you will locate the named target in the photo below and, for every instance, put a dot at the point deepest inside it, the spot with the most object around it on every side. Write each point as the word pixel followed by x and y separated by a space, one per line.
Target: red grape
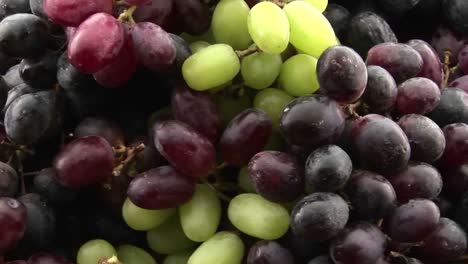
pixel 47 258
pixel 432 67
pixel 12 223
pixel 72 13
pixel 195 15
pixel 417 96
pixel 461 83
pixel 154 11
pixel 456 150
pixel 269 252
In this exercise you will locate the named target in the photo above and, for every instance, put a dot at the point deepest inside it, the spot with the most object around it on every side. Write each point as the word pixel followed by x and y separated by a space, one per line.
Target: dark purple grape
pixel 277 176
pixel 84 161
pixel 319 216
pixel 463 59
pixel 447 242
pixel 426 139
pixel 182 51
pixel 40 73
pixel 381 91
pixel 456 13
pixel 371 195
pixel 398 7
pixel 324 259
pixel 400 60
pixel 447 44
pixel 195 15
pixel 12 223
pixel 432 66
pixel 342 74
pixel 246 134
pixel 360 243
pixel 418 180
pixel 327 169
pixel 9 181
pixel 198 110
pixel 187 150
pixel 312 121
pixel 456 150
pixel 303 249
pixel 412 222
pixel 380 144
pixel 339 18
pixel 47 258
pixel 269 252
pixel 161 188
pixel 452 108
pixel 47 185
pixel 455 181
pixel 99 126
pixel 417 96
pixel 16 92
pixel 155 11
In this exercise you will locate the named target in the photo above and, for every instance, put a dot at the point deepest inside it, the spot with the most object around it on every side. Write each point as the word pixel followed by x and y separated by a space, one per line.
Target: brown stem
pixel 447 72
pixel 351 109
pixel 247 52
pixel 127 15
pixel 131 155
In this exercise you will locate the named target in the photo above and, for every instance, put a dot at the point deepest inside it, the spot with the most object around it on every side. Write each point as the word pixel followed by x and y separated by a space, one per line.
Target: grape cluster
pixel 234 131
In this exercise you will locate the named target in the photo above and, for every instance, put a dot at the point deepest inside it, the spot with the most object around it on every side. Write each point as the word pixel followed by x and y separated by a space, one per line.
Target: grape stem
pixel 447 70
pixel 127 15
pixel 131 155
pixel 351 109
pixel 281 3
pixel 247 52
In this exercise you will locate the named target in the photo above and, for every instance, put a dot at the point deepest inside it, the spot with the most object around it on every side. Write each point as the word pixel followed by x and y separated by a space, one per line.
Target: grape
pixel 412 221
pixel 456 137
pixel 311 40
pixel 244 180
pixel 359 243
pixel 312 121
pixel 40 72
pixel 198 110
pixel 339 18
pixel 90 50
pixel 452 108
pixel 211 67
pixel 9 180
pixel 11 7
pixel 198 45
pixel 201 215
pixel 298 75
pixel 182 51
pixel 143 219
pixel 229 24
pixel 426 139
pixel 324 259
pixel 47 258
pixel 129 254
pixel 70 78
pixel 194 14
pixel 400 60
pixel 399 7
pixel 224 247
pixel 160 188
pixel 319 4
pixel 12 223
pixel 47 185
pixel 381 91
pixel 269 252
pixel 153 46
pixel 418 180
pixel 446 242
pixel 272 101
pixel 319 216
pixel 17 91
pixel 463 59
pixel 277 176
pixel 71 13
pixel 12 77
pixel 24 36
pixel 95 251
pixel 342 74
pixel 380 144
pixel 84 161
pixel 269 27
pixel 258 217
pixel 417 96
pixel 169 238
pixel 186 149
pixel 99 126
pixel 179 258
pixel 455 181
pixel 154 11
pixel 327 169
pixel 432 67
pixel 456 14
pixel 244 136
pixel 443 40
pixel 260 69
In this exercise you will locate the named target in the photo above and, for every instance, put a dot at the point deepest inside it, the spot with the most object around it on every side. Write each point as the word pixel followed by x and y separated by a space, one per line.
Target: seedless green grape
pixel 129 254
pixel 143 219
pixel 222 248
pixel 210 67
pixel 272 101
pixel 169 238
pixel 310 30
pixel 298 75
pixel 198 45
pixel 94 251
pixel 269 27
pixel 179 258
pixel 229 23
pixel 258 217
pixel 260 69
pixel 319 4
pixel 201 215
pixel 244 181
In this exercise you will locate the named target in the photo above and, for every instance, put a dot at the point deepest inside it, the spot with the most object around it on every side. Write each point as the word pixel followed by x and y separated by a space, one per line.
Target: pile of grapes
pixel 234 131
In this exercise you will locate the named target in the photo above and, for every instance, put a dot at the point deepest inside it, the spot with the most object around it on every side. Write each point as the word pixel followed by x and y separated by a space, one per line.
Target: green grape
pixel 298 75
pixel 210 67
pixel 272 101
pixel 275 142
pixel 129 254
pixel 255 216
pixel 143 219
pixel 260 69
pixel 94 251
pixel 244 181
pixel 179 258
pixel 310 30
pixel 319 4
pixel 269 27
pixel 201 215
pixel 229 24
pixel 230 106
pixel 222 248
pixel 198 45
pixel 169 238
pixel 207 36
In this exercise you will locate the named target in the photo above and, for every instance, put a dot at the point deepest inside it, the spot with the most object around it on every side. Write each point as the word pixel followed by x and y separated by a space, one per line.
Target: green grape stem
pixel 447 71
pixel 127 15
pixel 247 52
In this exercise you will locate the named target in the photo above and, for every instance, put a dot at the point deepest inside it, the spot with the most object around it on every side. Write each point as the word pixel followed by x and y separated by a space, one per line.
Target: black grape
pixel 10 7
pixel 339 18
pixel 47 185
pixel 452 108
pixel 12 76
pixel 9 181
pixel 69 77
pixel 381 91
pixel 17 91
pixel 456 13
pixel 269 252
pixel 40 73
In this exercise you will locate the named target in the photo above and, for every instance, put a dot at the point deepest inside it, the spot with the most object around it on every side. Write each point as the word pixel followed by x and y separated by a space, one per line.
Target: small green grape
pixel 272 101
pixel 269 27
pixel 210 67
pixel 222 248
pixel 298 75
pixel 260 69
pixel 229 24
pixel 319 4
pixel 94 251
pixel 198 45
pixel 244 181
pixel 143 219
pixel 179 258
pixel 129 254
